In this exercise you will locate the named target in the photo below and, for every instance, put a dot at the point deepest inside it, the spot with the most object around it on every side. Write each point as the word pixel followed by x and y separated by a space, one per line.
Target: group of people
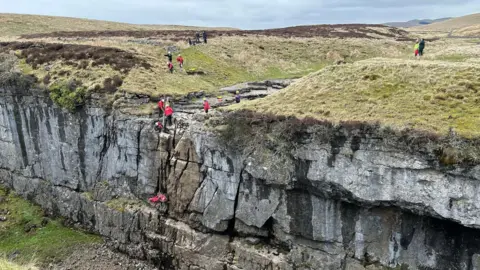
pixel 419 47
pixel 165 109
pixel 197 39
pixel 170 64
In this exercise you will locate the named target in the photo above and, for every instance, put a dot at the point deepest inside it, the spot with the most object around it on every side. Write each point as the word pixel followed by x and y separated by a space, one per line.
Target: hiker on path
pixel 161 107
pixel 204 37
pixel 416 47
pixel 206 105
pixel 237 97
pixel 169 115
pixel 197 37
pixel 170 67
pixel 421 47
pixel 169 55
pixel 180 61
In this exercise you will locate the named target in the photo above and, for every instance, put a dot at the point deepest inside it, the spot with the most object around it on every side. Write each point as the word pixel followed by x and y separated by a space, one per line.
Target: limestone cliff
pixel 316 197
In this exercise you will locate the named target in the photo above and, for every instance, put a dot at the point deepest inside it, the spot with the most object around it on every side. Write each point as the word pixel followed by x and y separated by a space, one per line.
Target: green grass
pixel 425 95
pixel 43 245
pixel 122 204
pixel 225 60
pixel 453 58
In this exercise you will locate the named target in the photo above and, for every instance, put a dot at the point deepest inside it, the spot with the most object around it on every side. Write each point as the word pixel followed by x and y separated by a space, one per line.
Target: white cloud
pixel 245 13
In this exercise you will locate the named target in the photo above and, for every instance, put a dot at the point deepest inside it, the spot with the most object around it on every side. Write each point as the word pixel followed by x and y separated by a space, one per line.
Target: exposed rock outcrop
pixel 339 199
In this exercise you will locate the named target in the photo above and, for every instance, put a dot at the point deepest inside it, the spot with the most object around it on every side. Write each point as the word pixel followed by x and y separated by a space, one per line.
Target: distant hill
pixel 450 25
pixel 21 24
pixel 413 23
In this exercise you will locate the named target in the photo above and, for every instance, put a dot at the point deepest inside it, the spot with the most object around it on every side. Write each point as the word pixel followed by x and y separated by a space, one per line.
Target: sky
pixel 245 14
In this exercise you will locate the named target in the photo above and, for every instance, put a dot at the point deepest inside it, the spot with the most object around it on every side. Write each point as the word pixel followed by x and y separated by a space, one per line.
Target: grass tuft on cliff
pixel 43 244
pixel 426 95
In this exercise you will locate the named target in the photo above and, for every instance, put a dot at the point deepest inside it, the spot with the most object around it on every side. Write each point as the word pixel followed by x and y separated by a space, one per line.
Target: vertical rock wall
pixel 345 202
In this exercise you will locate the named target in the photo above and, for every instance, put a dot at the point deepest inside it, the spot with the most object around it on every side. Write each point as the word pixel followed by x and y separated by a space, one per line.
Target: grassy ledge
pixel 44 244
pixel 425 95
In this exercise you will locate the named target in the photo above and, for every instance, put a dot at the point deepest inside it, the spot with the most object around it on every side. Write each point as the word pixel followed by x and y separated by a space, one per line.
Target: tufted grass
pixel 425 95
pixel 225 60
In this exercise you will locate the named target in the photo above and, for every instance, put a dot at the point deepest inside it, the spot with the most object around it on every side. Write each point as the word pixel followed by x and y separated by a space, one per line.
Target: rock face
pixel 348 201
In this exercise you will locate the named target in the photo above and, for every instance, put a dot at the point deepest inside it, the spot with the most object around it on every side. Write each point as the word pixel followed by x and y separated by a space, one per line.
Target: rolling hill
pixel 413 23
pixel 450 25
pixel 22 24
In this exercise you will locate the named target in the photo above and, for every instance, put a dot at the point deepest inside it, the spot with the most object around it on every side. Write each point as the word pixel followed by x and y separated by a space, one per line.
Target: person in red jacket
pixel 206 105
pixel 168 114
pixel 170 67
pixel 161 107
pixel 180 61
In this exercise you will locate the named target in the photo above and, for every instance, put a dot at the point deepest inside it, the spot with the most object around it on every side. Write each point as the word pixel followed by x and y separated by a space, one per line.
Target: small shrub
pixel 441 97
pixel 46 79
pixel 117 81
pixel 68 95
pixel 83 64
pixel 427 97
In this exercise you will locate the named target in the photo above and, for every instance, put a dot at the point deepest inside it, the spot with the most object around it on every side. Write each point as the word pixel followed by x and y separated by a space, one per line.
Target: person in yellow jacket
pixel 417 48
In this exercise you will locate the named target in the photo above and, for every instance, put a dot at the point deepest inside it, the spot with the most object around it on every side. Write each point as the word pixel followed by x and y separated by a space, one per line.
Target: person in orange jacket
pixel 180 61
pixel 206 105
pixel 168 114
pixel 161 107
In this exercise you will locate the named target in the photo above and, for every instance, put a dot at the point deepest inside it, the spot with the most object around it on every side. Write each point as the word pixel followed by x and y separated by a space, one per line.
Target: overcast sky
pixel 247 14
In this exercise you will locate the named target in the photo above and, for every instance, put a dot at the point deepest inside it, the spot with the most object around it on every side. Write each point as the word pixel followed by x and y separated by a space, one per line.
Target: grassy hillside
pixel 7 265
pixel 20 24
pixel 425 95
pixel 450 25
pixel 42 243
pixel 469 31
pixel 226 60
pixel 413 23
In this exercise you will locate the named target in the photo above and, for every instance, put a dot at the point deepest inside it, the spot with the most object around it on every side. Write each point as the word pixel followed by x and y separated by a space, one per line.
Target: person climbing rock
pixel 237 97
pixel 197 37
pixel 170 67
pixel 180 61
pixel 416 47
pixel 169 56
pixel 219 99
pixel 158 198
pixel 421 47
pixel 169 115
pixel 158 126
pixel 161 107
pixel 204 37
pixel 206 105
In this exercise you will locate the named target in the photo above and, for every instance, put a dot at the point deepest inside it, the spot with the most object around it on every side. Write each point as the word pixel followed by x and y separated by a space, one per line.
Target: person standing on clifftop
pixel 161 107
pixel 180 61
pixel 237 97
pixel 204 37
pixel 197 37
pixel 416 48
pixel 169 115
pixel 206 105
pixel 421 47
pixel 169 55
